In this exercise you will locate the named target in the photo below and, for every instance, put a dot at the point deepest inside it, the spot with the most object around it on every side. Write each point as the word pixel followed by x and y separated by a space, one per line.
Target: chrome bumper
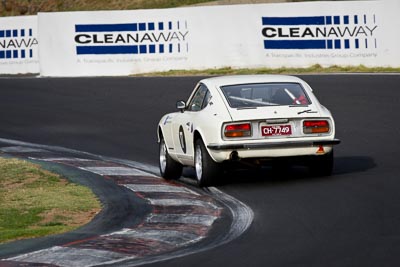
pixel 288 144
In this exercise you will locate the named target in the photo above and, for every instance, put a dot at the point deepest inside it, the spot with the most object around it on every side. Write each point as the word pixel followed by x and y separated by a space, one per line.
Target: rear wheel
pixel 207 170
pixel 322 165
pixel 169 168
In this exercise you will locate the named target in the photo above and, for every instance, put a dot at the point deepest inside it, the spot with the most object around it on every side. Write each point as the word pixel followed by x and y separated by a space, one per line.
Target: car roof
pixel 246 79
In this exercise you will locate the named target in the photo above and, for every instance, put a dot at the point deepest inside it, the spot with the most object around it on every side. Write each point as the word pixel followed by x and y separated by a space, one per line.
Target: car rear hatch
pixel 276 122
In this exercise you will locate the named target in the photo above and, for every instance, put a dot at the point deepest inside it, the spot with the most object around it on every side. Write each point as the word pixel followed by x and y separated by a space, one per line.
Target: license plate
pixel 276 130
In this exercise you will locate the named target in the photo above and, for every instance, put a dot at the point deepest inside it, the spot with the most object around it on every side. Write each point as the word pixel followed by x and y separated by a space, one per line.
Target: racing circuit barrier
pixel 19 45
pixel 111 43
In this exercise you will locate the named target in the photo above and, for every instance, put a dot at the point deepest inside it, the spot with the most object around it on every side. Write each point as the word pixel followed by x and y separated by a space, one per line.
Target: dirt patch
pixel 238 2
pixel 69 219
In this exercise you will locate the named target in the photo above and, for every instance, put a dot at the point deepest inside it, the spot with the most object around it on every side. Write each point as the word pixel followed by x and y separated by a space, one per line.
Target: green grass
pixel 35 202
pixel 313 69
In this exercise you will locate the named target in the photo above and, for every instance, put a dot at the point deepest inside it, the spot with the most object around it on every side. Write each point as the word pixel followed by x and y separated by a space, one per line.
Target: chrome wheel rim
pixel 198 163
pixel 163 156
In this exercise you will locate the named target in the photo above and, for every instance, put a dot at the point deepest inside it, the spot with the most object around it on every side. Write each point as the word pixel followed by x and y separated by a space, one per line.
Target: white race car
pixel 246 118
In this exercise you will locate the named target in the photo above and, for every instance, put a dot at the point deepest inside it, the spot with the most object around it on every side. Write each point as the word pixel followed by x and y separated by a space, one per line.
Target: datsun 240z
pixel 248 118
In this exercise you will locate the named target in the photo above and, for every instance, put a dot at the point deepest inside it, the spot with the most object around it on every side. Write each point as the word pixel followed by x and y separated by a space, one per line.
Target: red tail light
pixel 238 130
pixel 317 126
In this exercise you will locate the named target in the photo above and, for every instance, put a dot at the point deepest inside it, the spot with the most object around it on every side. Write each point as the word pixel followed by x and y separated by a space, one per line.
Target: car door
pixel 184 124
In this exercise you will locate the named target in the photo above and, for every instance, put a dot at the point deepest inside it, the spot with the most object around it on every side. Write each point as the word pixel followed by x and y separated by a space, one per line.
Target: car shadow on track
pixel 281 173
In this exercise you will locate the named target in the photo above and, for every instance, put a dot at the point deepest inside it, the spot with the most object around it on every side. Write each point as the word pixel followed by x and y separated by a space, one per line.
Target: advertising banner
pixel 19 45
pixel 335 33
pixel 108 43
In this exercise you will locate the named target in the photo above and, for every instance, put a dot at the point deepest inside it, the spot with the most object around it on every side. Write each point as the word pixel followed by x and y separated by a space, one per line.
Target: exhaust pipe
pixel 234 156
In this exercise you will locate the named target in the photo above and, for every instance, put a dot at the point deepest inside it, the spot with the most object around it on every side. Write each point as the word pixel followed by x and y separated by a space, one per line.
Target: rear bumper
pixel 272 145
pixel 224 152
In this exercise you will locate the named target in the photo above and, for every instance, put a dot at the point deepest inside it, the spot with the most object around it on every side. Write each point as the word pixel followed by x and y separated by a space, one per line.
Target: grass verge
pixel 35 202
pixel 32 7
pixel 313 69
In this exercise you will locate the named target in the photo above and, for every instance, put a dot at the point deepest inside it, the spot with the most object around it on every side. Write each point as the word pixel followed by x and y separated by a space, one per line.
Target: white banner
pixel 107 43
pixel 19 45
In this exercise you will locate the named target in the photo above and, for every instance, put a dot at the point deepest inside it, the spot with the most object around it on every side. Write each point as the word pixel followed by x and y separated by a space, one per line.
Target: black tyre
pixel 322 165
pixel 207 170
pixel 169 168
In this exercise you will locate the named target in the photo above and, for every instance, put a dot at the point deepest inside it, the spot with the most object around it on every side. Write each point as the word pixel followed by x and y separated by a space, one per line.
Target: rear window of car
pixel 265 94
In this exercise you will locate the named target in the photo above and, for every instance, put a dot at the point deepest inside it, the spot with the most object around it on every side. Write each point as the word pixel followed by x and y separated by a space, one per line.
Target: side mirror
pixel 181 105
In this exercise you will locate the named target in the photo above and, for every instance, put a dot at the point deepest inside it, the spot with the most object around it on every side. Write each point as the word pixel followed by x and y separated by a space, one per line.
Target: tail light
pixel 237 130
pixel 316 127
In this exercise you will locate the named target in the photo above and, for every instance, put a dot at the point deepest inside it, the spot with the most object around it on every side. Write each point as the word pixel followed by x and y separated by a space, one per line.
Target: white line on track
pixel 242 214
pixel 61 159
pixel 116 171
pixel 176 238
pixel 145 188
pixel 182 202
pixel 206 220
pixel 21 149
pixel 73 257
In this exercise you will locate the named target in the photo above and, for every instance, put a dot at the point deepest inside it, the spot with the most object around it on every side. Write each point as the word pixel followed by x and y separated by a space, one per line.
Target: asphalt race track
pixel 349 219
